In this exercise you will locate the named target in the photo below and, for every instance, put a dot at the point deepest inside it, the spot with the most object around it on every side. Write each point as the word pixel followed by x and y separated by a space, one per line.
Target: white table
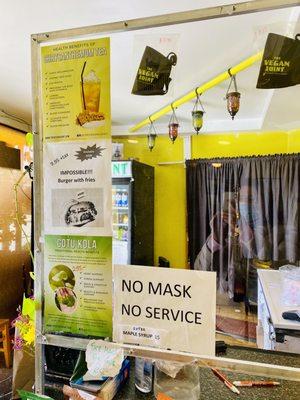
pixel 273 331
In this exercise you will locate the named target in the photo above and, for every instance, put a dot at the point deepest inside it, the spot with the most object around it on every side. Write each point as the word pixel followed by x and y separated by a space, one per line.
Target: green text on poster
pixel 78 280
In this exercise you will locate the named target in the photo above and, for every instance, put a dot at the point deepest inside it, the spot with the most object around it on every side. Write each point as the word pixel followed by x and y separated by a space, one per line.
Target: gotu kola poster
pixel 76 90
pixel 78 276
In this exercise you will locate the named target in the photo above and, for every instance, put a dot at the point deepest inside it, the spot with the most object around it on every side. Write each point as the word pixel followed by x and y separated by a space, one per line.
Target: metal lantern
pixel 173 131
pixel 173 126
pixel 233 98
pixel 233 103
pixel 151 136
pixel 197 115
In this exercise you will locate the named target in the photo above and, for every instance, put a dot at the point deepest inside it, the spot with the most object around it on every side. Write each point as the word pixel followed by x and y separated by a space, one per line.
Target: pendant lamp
pixel 233 98
pixel 197 114
pixel 151 135
pixel 173 126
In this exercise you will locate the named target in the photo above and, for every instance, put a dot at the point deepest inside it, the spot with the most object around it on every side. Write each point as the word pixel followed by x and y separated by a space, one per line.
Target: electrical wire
pixel 26 195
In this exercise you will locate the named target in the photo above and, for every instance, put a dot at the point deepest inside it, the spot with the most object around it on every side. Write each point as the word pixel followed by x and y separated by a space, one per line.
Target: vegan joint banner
pixel 76 90
pixel 280 66
pixel 78 294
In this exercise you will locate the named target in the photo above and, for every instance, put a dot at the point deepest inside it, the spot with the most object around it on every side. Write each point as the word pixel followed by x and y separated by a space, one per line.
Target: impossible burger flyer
pixel 77 189
pixel 76 90
pixel 78 285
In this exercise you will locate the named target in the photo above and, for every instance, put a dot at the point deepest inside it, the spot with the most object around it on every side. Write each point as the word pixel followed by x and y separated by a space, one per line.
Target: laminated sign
pixel 78 242
pixel 166 308
pixel 76 90
pixel 280 65
pixel 77 285
pixel 77 190
pixel 153 75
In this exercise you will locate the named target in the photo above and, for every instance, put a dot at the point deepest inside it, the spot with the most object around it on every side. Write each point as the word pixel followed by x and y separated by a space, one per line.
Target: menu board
pixel 76 90
pixel 78 275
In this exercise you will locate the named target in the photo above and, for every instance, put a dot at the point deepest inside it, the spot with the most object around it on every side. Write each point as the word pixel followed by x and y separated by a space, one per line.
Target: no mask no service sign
pixel 167 308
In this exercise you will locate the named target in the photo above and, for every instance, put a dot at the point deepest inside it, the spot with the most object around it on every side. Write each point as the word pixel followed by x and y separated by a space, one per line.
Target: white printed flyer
pixel 77 188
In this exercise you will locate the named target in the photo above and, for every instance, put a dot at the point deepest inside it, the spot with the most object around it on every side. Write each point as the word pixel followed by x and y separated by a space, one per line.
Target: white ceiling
pixel 204 50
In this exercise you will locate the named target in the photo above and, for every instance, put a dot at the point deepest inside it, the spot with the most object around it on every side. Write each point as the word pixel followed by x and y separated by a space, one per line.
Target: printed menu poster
pixel 77 189
pixel 78 285
pixel 76 90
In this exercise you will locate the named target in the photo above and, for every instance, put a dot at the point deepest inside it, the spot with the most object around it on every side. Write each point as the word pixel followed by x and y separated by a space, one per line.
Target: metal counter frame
pixel 123 26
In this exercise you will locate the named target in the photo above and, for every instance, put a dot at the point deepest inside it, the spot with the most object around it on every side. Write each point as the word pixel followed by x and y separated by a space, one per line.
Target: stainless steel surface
pixel 241 366
pixel 38 207
pixel 122 26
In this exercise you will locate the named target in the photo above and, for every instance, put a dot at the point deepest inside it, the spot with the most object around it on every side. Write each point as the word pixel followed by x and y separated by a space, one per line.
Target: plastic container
pixel 290 281
pixel 178 381
pixel 143 375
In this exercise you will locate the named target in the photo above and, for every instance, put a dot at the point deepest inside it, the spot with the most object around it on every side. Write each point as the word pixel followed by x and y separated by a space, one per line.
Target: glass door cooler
pixel 133 213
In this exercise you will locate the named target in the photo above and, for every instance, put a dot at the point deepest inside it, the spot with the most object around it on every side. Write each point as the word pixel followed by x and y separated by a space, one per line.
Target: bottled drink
pixel 120 198
pixel 143 375
pixel 124 198
pixel 125 234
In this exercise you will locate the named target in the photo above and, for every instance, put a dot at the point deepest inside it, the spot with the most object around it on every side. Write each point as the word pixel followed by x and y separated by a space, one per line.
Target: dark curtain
pixel 242 208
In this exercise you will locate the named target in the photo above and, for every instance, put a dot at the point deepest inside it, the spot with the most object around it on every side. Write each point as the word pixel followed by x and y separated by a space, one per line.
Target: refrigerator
pixel 133 213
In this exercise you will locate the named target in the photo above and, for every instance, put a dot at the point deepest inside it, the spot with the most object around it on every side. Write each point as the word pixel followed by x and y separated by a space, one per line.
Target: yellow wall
pixel 170 192
pixel 13 250
pixel 169 207
pixel 245 144
pixel 12 137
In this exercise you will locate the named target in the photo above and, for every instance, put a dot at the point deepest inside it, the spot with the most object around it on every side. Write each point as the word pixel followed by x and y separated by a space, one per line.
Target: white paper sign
pixel 103 359
pixel 167 308
pixel 77 187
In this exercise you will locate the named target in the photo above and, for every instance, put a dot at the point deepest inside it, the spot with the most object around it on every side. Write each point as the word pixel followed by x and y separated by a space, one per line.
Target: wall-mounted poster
pixel 76 90
pixel 78 285
pixel 77 190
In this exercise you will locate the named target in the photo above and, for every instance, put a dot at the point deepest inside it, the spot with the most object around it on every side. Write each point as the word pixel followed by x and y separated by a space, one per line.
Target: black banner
pixel 153 75
pixel 280 65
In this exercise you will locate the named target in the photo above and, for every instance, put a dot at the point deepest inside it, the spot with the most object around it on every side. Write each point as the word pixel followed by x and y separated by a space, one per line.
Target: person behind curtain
pixel 232 237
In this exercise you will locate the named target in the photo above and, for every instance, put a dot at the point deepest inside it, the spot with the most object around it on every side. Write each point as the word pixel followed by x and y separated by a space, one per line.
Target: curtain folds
pixel 242 208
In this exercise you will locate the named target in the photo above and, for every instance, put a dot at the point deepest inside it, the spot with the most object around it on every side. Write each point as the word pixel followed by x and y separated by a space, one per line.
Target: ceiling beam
pixel 201 14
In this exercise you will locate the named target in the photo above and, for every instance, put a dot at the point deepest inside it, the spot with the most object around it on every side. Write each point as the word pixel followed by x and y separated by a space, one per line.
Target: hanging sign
pixel 153 74
pixel 280 65
pixel 77 190
pixel 76 90
pixel 78 285
pixel 167 308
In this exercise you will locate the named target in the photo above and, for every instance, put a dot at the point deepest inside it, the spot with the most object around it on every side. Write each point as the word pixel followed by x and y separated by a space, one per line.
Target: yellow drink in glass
pixel 90 92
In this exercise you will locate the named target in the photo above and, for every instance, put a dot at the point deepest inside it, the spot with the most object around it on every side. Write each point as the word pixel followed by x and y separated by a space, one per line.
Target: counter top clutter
pixel 213 388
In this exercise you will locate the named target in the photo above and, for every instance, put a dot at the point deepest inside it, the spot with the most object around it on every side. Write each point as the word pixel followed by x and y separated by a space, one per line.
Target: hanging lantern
pixel 197 115
pixel 233 98
pixel 151 136
pixel 173 126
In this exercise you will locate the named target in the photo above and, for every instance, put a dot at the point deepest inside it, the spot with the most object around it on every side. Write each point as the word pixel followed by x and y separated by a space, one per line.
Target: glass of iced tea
pixel 90 92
